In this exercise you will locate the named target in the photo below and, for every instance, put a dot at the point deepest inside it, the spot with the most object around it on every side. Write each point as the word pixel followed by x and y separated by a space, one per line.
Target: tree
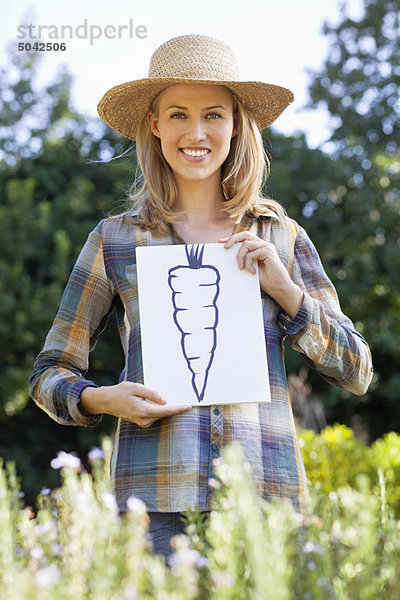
pixel 51 197
pixel 356 221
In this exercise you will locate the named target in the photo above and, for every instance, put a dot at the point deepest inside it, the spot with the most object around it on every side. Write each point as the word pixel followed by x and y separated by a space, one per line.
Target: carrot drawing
pixel 195 289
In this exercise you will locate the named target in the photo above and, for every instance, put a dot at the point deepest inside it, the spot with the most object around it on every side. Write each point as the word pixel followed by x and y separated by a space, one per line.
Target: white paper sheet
pixel 201 326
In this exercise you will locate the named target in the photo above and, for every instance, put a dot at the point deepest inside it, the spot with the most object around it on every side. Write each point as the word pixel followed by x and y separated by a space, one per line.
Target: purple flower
pixel 96 454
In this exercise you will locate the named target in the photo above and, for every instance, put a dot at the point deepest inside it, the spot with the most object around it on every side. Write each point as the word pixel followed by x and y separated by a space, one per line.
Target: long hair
pixel 243 175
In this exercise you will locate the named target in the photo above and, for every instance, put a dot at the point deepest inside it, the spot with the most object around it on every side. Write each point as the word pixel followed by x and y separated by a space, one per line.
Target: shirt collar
pixel 245 223
pixel 270 212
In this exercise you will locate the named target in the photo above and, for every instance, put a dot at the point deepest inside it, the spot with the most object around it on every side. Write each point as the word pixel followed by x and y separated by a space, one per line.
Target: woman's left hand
pixel 274 278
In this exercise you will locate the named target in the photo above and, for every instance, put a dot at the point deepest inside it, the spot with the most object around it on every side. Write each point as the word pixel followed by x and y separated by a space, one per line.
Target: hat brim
pixel 123 106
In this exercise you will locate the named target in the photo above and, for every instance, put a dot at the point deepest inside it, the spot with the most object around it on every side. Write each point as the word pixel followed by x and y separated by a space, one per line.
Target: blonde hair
pixel 243 175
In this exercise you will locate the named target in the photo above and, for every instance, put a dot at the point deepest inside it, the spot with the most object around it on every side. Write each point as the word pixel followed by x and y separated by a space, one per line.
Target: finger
pixel 174 410
pixel 148 420
pixel 145 423
pixel 148 394
pixel 255 255
pixel 249 263
pixel 246 247
pixel 260 254
pixel 165 411
pixel 239 237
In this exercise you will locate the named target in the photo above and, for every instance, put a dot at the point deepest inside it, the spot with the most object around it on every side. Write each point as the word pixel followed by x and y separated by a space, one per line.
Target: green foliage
pixel 336 459
pixel 342 547
pixel 359 240
pixel 51 197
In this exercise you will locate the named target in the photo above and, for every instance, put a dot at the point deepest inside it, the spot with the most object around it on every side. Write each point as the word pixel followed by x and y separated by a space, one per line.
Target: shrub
pixel 77 547
pixel 335 458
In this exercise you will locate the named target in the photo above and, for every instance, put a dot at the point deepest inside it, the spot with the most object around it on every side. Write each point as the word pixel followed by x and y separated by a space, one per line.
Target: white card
pixel 201 324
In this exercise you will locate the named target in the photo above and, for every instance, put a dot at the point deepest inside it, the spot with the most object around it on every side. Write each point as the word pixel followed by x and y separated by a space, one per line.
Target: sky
pixel 275 42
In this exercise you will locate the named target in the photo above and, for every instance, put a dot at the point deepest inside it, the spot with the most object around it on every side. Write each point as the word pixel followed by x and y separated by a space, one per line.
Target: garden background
pixel 52 193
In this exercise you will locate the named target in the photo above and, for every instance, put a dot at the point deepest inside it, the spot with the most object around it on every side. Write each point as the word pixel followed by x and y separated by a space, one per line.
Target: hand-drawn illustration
pixel 195 289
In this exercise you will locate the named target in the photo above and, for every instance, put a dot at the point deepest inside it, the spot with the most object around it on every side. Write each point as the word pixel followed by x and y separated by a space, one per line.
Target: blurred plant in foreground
pixel 345 545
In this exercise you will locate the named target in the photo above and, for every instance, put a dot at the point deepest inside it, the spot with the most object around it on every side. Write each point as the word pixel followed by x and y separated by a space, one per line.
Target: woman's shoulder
pixel 116 223
pixel 126 229
pixel 278 218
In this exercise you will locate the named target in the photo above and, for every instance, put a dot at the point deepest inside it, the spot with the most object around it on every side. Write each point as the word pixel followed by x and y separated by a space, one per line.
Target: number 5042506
pixel 41 46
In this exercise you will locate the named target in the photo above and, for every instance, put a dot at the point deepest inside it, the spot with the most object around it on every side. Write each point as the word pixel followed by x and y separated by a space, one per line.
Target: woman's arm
pixel 326 338
pixel 311 312
pixel 58 383
pixel 59 372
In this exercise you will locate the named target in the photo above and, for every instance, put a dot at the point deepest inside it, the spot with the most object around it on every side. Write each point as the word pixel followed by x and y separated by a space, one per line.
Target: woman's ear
pixel 153 120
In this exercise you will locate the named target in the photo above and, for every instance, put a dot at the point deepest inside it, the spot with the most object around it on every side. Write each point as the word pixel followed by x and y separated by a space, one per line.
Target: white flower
pixel 192 556
pixel 36 553
pixel 43 528
pixel 308 547
pixel 189 556
pixel 130 592
pixel 136 505
pixel 82 502
pixel 109 501
pixel 64 459
pixel 47 577
pixel 45 491
pixel 223 579
pixel 96 454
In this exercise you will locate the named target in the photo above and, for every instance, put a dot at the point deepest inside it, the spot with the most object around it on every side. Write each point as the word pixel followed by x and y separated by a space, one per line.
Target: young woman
pixel 197 131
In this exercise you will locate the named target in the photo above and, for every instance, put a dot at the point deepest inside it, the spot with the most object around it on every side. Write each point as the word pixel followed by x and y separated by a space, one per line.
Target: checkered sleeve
pixel 325 337
pixel 59 371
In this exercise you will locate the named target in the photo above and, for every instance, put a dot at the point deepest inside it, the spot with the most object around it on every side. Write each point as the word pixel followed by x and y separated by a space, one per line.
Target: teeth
pixel 195 152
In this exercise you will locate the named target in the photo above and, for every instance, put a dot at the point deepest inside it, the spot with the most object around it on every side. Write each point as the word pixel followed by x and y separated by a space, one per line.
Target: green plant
pixel 345 546
pixel 336 459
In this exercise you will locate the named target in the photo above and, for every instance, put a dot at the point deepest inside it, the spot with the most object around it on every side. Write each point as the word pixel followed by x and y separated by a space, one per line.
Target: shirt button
pixel 216 411
pixel 214 447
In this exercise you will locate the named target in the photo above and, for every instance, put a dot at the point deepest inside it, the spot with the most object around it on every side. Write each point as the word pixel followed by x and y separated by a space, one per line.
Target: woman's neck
pixel 201 202
pixel 204 218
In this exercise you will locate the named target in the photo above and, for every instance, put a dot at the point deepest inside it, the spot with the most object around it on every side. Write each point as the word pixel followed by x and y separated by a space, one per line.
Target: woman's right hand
pixel 130 401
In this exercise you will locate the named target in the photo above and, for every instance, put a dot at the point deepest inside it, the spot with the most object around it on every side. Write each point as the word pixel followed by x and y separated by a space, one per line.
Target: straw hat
pixel 190 59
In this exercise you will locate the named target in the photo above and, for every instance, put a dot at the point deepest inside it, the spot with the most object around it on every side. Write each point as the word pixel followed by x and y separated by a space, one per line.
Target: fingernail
pixel 223 239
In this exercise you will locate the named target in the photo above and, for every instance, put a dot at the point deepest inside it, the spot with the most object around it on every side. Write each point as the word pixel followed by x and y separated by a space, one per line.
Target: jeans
pixel 162 527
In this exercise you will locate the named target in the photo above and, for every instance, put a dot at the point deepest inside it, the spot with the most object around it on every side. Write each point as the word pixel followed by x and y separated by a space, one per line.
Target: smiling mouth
pixel 195 152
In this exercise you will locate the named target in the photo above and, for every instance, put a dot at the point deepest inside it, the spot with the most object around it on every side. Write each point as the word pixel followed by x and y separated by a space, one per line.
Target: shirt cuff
pixel 301 320
pixel 74 396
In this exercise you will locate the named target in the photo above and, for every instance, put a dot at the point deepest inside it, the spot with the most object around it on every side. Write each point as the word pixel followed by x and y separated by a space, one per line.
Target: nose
pixel 196 130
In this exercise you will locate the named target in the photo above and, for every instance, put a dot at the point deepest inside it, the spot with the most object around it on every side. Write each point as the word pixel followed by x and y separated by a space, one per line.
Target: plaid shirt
pixel 169 464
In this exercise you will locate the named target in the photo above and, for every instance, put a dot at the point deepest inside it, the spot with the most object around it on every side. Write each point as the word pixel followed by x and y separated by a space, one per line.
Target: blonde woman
pixel 197 132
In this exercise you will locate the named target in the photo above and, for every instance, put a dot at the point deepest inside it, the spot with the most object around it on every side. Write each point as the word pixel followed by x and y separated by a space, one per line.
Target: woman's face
pixel 195 123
